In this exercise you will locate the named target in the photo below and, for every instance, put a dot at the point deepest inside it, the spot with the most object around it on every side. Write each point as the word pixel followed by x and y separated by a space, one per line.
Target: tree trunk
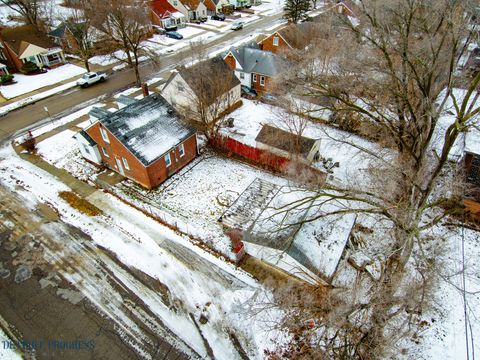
pixel 86 63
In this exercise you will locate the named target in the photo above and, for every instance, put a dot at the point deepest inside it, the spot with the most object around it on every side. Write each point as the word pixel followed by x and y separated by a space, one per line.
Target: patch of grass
pixel 80 204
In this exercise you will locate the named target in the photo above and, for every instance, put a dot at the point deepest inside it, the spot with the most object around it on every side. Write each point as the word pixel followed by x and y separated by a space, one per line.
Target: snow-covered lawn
pixel 198 283
pixel 199 195
pixel 189 31
pixel 61 151
pixel 28 83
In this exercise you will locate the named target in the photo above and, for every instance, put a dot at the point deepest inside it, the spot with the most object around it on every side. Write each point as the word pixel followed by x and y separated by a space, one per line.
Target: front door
pixel 119 166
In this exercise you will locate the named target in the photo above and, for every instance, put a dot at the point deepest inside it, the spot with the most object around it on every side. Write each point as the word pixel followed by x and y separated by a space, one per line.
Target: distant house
pixel 286 144
pixel 144 141
pixel 254 67
pixel 192 9
pixel 165 15
pixel 310 251
pixel 216 6
pixel 288 38
pixel 26 43
pixel 189 93
pixel 68 34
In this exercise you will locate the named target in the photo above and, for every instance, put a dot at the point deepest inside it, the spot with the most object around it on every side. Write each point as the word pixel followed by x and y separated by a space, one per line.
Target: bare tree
pixel 83 33
pixel 396 72
pixel 125 23
pixel 212 90
pixel 29 10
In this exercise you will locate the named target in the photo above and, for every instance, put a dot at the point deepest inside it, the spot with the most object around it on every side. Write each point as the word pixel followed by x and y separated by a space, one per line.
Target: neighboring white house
pixel 185 92
pixel 88 147
pixel 192 9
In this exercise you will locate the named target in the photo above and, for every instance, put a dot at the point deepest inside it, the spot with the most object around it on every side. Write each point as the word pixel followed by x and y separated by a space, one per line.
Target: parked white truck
pixel 91 78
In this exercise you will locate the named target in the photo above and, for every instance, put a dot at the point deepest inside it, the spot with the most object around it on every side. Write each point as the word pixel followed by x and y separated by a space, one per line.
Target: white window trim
pixel 181 150
pixel 104 134
pixel 276 40
pixel 168 160
pixel 254 78
pixel 125 163
pixel 242 75
pixel 262 80
pixel 105 152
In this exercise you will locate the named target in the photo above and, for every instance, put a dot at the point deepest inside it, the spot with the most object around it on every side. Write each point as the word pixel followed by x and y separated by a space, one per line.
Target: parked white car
pixel 91 78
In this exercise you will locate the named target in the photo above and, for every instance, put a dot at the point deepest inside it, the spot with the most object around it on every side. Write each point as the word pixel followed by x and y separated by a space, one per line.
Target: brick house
pixel 289 38
pixel 67 35
pixel 254 68
pixel 25 43
pixel 165 15
pixel 216 6
pixel 144 141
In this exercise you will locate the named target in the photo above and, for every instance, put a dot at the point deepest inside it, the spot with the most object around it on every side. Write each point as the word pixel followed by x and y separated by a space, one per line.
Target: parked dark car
pixel 248 92
pixel 218 16
pixel 174 35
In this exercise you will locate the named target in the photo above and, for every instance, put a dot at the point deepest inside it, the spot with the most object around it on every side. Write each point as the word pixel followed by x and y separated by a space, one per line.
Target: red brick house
pixel 254 68
pixel 25 43
pixel 289 38
pixel 144 141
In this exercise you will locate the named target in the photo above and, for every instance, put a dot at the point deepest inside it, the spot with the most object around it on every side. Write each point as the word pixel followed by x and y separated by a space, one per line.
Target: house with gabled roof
pixel 68 34
pixel 144 141
pixel 254 68
pixel 216 6
pixel 25 43
pixel 165 15
pixel 289 38
pixel 192 9
pixel 189 93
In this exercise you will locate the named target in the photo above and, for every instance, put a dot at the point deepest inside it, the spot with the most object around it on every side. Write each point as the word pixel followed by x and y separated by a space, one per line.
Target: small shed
pixel 287 144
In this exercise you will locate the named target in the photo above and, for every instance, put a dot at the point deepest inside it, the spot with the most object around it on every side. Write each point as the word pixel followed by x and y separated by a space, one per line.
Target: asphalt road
pixel 63 103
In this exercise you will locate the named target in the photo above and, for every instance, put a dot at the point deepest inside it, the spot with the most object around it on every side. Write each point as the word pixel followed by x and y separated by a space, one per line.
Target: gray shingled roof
pixel 98 112
pixel 126 100
pixel 148 128
pixel 254 60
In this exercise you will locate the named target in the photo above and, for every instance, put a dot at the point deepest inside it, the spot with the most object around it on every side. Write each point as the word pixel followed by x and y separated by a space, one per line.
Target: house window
pixel 104 134
pixel 181 150
pixel 168 162
pixel 242 75
pixel 175 3
pixel 125 163
pixel 254 78
pixel 275 41
pixel 105 152
pixel 180 87
pixel 262 80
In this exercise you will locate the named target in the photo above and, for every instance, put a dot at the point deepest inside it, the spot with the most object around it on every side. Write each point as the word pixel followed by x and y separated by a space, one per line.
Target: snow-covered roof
pixel 148 128
pixel 268 218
